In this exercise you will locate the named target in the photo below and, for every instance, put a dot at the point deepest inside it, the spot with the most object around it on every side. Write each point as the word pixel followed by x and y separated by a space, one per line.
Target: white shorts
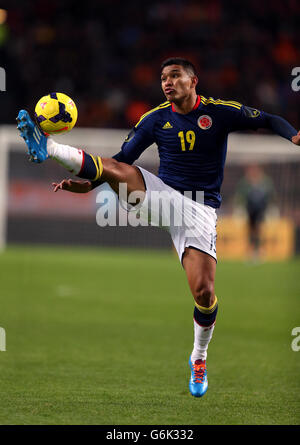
pixel 190 223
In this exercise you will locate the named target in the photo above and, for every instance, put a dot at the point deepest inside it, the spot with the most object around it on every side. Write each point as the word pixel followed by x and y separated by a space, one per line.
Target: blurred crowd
pixel 107 54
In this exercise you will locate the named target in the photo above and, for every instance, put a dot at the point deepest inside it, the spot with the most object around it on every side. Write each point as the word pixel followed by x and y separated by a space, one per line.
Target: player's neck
pixel 185 105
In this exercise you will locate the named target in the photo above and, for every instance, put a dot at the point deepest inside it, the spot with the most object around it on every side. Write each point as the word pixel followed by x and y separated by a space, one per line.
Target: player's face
pixel 177 83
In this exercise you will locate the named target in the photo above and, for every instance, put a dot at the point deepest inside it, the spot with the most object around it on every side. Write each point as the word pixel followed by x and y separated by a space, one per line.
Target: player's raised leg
pixel 200 270
pixel 76 161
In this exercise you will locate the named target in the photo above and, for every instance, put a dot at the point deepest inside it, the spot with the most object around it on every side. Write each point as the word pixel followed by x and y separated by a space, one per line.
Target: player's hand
pixel 73 186
pixel 296 139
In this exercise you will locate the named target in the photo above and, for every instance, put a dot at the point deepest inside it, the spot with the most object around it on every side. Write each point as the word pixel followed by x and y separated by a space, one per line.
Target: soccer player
pixel 191 134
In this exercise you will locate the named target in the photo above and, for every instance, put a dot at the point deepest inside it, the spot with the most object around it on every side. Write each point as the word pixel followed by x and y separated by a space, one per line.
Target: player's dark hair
pixel 186 64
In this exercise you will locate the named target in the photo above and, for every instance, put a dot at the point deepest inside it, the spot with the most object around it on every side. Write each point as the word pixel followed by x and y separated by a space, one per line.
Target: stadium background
pixel 106 55
pixel 109 63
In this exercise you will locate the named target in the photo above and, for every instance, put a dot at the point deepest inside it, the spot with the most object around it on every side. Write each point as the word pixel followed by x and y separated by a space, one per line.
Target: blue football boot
pixel 34 138
pixel 198 382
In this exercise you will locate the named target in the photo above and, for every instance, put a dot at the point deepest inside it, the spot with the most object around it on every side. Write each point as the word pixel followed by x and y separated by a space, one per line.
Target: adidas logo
pixel 167 126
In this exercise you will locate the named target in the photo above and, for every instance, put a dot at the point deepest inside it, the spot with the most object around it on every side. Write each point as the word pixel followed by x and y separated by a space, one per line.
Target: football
pixel 56 113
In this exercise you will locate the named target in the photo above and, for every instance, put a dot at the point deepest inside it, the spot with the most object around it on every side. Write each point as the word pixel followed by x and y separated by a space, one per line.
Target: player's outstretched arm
pixel 252 119
pixel 282 127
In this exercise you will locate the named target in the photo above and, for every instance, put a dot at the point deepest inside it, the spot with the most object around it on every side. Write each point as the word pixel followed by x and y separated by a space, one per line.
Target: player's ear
pixel 194 81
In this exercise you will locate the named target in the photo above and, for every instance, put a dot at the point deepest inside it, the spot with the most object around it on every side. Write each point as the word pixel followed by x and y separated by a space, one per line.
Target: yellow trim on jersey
pixel 207 310
pixel 163 105
pixel 229 103
pixel 211 99
pixel 99 167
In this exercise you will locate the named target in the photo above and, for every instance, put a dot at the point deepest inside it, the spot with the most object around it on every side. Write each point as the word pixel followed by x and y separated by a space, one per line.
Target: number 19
pixel 189 138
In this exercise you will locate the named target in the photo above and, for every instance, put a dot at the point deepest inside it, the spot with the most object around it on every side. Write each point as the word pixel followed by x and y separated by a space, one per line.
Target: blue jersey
pixel 192 147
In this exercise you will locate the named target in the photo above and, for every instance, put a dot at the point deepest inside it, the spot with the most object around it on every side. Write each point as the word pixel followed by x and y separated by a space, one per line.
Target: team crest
pixel 205 122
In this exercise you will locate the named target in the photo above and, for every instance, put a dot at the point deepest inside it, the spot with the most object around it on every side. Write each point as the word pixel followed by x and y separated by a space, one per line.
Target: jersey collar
pixel 195 106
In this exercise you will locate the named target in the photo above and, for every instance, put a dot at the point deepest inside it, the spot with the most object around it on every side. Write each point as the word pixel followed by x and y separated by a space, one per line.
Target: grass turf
pixel 103 337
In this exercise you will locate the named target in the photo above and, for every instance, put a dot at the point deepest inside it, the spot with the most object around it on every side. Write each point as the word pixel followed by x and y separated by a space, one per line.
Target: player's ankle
pixel 198 357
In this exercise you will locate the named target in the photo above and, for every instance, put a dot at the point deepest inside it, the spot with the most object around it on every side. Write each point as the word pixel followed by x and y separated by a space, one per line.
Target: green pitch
pixel 104 336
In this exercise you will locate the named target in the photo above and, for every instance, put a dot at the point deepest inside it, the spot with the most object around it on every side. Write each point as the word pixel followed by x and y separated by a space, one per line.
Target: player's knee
pixel 204 293
pixel 116 171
